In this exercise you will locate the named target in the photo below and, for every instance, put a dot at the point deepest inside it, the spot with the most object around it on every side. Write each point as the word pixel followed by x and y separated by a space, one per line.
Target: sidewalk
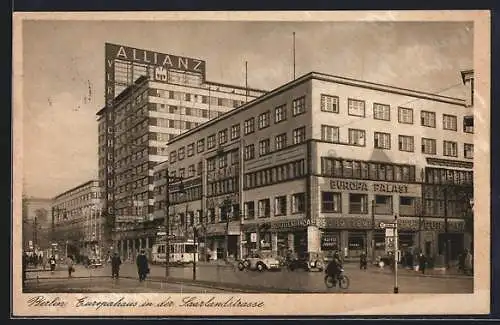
pixel 435 273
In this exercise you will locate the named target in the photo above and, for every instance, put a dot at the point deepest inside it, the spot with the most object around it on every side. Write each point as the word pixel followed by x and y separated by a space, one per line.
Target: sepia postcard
pixel 251 163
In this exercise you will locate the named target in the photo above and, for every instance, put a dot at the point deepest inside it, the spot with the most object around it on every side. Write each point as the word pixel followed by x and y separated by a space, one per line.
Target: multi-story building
pixel 318 163
pixel 36 223
pixel 134 128
pixel 78 221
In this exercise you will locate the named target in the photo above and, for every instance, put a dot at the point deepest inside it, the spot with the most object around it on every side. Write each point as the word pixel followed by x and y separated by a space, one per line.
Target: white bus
pixel 180 252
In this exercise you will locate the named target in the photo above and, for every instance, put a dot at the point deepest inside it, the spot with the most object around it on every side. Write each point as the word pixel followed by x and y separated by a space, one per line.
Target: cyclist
pixel 334 268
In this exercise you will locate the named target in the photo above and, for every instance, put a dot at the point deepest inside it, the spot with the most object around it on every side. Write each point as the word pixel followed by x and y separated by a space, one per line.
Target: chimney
pixel 468 80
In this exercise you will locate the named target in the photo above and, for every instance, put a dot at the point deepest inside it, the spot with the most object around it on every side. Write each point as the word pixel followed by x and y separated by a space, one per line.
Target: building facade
pixel 317 164
pixel 36 223
pixel 160 99
pixel 78 223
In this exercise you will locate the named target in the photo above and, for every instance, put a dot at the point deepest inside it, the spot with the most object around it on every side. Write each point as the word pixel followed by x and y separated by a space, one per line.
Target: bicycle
pixel 342 280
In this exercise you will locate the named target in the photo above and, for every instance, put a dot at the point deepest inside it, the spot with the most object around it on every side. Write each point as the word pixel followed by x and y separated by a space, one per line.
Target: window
pixel 264 120
pixel 405 115
pixel 331 202
pixel 406 143
pixel 468 150
pixel 211 164
pixel 191 171
pixel 201 145
pixel 381 112
pixel 299 135
pixel 357 137
pixel 299 106
pixel 299 203
pixel 249 126
pixel 449 122
pixel 383 204
pixel 211 141
pixel 223 136
pixel 190 149
pixel 358 203
pixel 264 208
pixel 330 133
pixel 249 152
pixel 428 119
pixel 280 206
pixel 469 124
pixel 329 103
pixel 249 210
pixel 223 161
pixel 356 107
pixel 280 141
pixel 182 172
pixel 173 156
pixel 382 140
pixel 264 147
pixel 235 131
pixel 450 148
pixel 181 153
pixel 429 146
pixel 280 113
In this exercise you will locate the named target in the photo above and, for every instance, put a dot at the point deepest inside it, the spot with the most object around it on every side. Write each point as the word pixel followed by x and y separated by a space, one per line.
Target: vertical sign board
pixel 161 63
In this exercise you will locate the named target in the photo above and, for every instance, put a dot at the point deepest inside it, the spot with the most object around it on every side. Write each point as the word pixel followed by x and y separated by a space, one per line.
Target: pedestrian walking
pixel 422 262
pixel 363 261
pixel 70 263
pixel 52 262
pixel 468 264
pixel 115 266
pixel 142 265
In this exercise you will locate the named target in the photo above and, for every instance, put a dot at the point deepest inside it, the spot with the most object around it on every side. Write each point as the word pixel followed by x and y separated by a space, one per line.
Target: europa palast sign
pixel 343 185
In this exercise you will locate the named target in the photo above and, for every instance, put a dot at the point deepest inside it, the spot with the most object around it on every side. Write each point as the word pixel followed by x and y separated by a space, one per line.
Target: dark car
pixel 307 262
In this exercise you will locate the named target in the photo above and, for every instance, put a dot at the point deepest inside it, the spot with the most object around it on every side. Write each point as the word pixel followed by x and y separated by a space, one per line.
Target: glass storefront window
pixel 356 244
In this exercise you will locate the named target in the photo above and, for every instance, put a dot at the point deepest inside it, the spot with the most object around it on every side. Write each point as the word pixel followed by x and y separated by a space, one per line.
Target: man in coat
pixel 142 265
pixel 115 266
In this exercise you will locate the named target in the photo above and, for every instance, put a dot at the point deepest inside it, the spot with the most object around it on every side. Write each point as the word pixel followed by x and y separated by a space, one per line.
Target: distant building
pixel 318 164
pixel 37 222
pixel 78 223
pixel 159 97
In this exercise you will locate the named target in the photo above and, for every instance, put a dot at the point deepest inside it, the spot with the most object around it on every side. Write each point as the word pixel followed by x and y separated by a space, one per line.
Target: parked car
pixel 260 261
pixel 308 262
pixel 95 263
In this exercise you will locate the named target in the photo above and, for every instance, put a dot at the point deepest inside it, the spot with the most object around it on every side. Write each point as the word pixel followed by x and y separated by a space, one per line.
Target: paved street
pixel 372 280
pixel 99 285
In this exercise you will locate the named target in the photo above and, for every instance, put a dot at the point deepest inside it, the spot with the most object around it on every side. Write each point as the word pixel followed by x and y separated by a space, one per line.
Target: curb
pixel 418 274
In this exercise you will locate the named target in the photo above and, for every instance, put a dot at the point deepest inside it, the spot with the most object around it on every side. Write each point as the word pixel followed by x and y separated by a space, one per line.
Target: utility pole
pixel 169 178
pixel 373 231
pixel 35 229
pixel 446 239
pixel 396 253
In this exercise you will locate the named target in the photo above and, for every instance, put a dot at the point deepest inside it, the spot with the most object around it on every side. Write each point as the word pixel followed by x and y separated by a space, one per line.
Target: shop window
pixel 356 244
pixel 383 204
pixel 331 202
pixel 298 202
pixel 280 206
pixel 358 203
pixel 329 241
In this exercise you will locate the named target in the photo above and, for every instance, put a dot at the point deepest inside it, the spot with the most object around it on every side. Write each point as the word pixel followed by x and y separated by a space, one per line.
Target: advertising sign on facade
pixel 253 237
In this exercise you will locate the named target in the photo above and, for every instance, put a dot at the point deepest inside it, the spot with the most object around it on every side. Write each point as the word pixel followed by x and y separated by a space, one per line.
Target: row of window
pixel 195 98
pixel 331 202
pixel 359 169
pixel 263 208
pixel 448 176
pixel 356 107
pixel 187 111
pixel 382 140
pixel 275 174
pixel 263 120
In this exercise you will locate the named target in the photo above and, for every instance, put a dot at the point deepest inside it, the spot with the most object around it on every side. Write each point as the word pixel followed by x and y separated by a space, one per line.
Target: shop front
pixel 216 240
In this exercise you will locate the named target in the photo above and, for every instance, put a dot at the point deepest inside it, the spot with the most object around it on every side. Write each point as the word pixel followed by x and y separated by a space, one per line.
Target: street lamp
pixel 168 179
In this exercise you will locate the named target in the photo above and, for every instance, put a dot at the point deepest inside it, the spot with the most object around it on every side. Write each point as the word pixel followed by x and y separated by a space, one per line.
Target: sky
pixel 61 59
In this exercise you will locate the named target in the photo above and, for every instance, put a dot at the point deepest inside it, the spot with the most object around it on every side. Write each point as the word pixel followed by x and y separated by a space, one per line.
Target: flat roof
pixel 74 188
pixel 328 78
